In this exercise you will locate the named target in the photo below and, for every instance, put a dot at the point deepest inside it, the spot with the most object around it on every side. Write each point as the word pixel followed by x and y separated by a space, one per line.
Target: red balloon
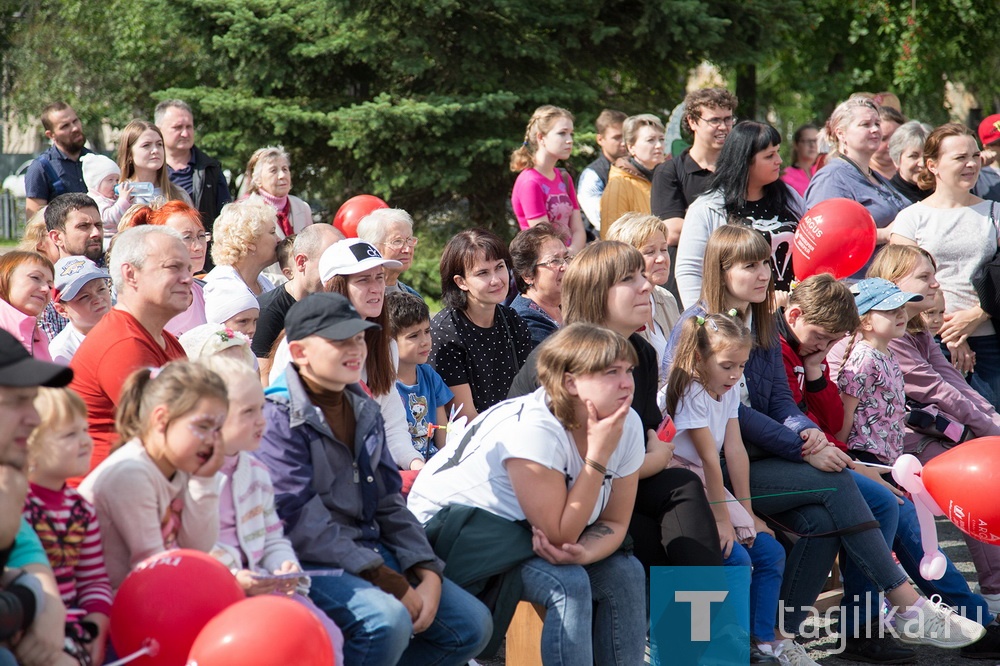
pixel 353 210
pixel 263 631
pixel 168 599
pixel 835 236
pixel 963 481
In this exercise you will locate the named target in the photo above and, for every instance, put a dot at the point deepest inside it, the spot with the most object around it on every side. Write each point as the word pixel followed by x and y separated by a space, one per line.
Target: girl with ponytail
pixel 542 192
pixel 158 490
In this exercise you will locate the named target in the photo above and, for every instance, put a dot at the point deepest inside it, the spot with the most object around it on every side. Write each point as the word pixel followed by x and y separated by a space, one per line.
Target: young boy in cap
pixel 337 492
pixel 82 295
pixel 32 603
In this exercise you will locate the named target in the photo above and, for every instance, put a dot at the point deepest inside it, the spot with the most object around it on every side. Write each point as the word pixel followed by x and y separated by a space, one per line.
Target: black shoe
pixel 987 647
pixel 885 650
pixel 759 657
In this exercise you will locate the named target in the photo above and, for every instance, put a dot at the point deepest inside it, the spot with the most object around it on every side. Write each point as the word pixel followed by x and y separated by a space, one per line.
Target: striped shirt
pixel 67 526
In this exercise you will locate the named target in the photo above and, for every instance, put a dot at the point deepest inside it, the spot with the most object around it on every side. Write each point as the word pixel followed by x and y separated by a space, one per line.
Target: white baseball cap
pixel 350 257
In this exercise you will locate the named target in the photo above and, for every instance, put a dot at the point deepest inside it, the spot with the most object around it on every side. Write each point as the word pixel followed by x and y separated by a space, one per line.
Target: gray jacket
pixel 337 507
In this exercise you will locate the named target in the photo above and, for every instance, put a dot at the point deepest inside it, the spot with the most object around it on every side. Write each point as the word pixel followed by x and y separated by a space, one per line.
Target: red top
pixel 819 400
pixel 113 350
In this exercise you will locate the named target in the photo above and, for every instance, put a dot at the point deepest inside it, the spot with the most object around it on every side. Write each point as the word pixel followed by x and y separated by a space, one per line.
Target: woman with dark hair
pixel 479 343
pixel 745 188
pixel 539 259
pixel 804 160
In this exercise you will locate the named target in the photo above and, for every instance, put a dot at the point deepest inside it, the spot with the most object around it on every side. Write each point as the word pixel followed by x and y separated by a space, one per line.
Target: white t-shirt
pixel 472 470
pixel 64 345
pixel 700 410
pixel 961 240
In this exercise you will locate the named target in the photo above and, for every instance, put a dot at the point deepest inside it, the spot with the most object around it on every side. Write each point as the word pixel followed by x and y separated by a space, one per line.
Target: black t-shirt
pixel 274 305
pixel 487 359
pixel 646 375
pixel 777 224
pixel 676 184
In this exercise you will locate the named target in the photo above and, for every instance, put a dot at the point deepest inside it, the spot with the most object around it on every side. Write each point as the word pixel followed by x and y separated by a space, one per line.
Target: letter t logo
pixel 701 607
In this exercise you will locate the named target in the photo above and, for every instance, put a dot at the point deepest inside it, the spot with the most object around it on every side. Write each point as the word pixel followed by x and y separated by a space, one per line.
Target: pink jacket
pixel 929 378
pixel 25 329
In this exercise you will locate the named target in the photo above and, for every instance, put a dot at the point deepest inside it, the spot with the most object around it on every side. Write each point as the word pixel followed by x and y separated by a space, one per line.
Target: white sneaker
pixel 789 652
pixel 938 625
pixel 992 600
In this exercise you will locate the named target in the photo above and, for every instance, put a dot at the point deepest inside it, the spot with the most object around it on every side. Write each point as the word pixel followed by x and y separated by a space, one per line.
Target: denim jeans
pixel 824 519
pixel 767 558
pixel 905 540
pixel 987 350
pixel 377 627
pixel 594 614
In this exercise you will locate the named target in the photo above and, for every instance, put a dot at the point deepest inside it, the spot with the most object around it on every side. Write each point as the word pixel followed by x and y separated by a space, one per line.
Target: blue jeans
pixel 824 519
pixel 377 627
pixel 987 349
pixel 767 558
pixel 905 540
pixel 594 614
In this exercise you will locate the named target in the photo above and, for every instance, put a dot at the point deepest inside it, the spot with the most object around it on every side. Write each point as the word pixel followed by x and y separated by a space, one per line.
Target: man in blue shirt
pixel 58 170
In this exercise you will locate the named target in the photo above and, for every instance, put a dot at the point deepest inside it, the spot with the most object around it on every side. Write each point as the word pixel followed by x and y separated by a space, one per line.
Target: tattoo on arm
pixel 597 531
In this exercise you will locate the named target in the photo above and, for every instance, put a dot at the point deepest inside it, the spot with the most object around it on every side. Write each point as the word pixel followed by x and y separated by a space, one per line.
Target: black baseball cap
pixel 328 315
pixel 18 368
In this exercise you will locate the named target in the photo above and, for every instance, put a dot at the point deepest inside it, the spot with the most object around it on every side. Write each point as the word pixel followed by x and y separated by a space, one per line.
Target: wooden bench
pixel 524 635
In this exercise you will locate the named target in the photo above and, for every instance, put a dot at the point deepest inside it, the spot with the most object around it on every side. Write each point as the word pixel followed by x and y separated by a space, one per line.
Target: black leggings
pixel 672 523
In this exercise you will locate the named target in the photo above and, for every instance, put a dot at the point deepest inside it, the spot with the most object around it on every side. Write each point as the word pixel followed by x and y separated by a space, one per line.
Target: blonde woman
pixel 630 179
pixel 244 240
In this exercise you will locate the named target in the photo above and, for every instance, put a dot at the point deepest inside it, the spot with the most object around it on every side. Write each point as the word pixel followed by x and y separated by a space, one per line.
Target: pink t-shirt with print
pixel 536 196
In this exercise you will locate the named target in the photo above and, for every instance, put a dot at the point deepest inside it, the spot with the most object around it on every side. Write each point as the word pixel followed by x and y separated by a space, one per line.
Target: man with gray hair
pixel 190 169
pixel 307 248
pixel 390 230
pixel 151 270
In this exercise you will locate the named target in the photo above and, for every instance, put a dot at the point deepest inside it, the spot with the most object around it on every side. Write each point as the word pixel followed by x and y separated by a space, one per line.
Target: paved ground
pixel 951 541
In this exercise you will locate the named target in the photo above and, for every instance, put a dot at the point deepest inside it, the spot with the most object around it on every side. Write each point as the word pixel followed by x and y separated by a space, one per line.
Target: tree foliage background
pixel 421 101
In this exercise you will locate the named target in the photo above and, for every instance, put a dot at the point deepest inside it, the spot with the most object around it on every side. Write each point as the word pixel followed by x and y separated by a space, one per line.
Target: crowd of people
pixel 635 380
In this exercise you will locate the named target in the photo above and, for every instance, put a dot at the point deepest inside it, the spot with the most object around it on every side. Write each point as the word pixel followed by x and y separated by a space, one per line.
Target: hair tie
pixel 732 312
pixel 792 285
pixel 700 320
pixel 155 372
pixel 525 144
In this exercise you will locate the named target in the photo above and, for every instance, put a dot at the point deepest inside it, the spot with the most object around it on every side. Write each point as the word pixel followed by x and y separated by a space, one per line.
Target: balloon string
pixel 790 492
pixel 132 657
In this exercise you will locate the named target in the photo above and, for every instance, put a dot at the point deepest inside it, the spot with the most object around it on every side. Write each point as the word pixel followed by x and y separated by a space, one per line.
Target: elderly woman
pixel 390 230
pixel 270 178
pixel 244 236
pixel 906 148
pixel 630 180
pixel 648 234
pixel 539 259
